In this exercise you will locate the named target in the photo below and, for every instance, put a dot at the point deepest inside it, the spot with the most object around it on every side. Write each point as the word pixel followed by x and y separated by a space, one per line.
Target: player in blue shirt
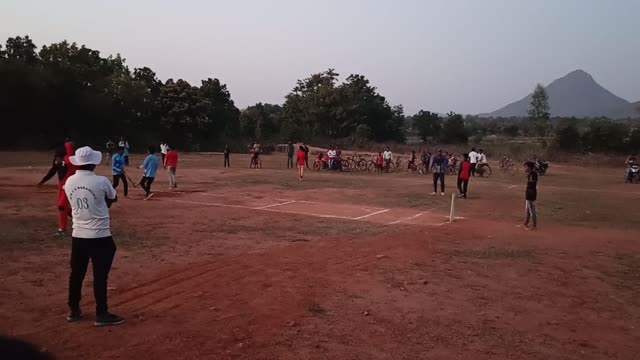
pixel 117 171
pixel 150 166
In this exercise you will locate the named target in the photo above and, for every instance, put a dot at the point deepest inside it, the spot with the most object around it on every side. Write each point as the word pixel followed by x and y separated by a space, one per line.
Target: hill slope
pixel 575 94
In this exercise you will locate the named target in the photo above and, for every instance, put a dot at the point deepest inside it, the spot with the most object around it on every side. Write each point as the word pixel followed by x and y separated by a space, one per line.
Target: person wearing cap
pixel 150 166
pixel 90 197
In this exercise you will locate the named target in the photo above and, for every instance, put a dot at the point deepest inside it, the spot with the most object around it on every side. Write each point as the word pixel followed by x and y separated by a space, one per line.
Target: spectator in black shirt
pixel 531 194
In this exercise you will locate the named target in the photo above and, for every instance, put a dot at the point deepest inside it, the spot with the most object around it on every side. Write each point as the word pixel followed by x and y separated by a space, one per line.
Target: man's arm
pixel 145 163
pixel 111 195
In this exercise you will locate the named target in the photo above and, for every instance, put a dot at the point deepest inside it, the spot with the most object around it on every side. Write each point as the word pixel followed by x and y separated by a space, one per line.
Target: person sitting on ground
pixel 388 158
pixel 379 163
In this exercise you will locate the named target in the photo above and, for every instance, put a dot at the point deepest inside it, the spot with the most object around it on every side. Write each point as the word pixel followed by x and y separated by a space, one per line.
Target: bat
pixel 134 184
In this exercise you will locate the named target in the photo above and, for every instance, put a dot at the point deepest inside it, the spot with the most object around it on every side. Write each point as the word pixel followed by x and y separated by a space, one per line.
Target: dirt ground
pixel 253 264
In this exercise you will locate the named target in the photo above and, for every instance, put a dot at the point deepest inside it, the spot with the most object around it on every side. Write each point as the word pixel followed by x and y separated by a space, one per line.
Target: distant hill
pixel 575 94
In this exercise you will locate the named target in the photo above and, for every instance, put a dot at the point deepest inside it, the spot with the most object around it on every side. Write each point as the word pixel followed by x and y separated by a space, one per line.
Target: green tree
pixel 454 130
pixel 539 110
pixel 568 138
pixel 428 125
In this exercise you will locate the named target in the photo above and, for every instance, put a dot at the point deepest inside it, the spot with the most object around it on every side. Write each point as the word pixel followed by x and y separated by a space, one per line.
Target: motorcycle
pixel 542 167
pixel 633 176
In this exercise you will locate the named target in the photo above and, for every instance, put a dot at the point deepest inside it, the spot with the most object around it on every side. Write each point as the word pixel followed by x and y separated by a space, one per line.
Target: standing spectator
pixel 379 163
pixel 439 168
pixel 290 150
pixel 301 157
pixel 306 158
pixel 150 166
pixel 331 153
pixel 90 196
pixel 110 145
pixel 463 176
pixel 227 154
pixel 125 145
pixel 473 159
pixel 531 195
pixel 164 148
pixel 171 164
pixel 388 158
pixel 117 171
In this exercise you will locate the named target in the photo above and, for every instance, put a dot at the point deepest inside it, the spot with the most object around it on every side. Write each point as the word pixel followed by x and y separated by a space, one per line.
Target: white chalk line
pixel 262 209
pixel 373 213
pixel 407 219
pixel 274 205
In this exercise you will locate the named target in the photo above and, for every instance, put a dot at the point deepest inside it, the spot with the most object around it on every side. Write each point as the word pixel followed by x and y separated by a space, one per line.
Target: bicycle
pixel 483 170
pixel 507 166
pixel 256 163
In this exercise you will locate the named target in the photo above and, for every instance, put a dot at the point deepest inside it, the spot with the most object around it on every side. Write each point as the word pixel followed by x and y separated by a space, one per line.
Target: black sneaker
pixel 108 319
pixel 74 315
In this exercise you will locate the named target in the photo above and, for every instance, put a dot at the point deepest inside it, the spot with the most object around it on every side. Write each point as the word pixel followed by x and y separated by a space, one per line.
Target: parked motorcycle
pixel 633 174
pixel 542 167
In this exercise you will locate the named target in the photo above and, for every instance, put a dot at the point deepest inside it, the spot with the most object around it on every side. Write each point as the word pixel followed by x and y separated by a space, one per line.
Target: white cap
pixel 86 156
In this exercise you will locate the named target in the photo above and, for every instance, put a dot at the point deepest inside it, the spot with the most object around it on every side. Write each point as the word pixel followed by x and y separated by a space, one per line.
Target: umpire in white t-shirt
pixel 91 197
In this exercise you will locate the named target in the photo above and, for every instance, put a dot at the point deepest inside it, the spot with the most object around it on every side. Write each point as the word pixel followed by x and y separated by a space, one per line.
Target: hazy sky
pixel 469 56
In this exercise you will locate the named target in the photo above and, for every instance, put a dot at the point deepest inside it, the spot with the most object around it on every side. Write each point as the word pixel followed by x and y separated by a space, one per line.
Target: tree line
pixel 69 90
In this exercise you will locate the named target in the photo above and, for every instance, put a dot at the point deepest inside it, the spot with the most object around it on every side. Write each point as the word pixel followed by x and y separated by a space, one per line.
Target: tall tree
pixel 454 130
pixel 539 110
pixel 428 125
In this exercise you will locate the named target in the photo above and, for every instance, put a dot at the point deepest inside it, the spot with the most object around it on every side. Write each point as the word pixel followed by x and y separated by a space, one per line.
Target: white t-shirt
pixel 387 155
pixel 482 158
pixel 163 148
pixel 86 192
pixel 473 157
pixel 331 154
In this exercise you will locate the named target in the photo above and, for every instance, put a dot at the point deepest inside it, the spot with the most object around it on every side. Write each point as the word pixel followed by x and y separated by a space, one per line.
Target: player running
pixel 302 157
pixel 150 166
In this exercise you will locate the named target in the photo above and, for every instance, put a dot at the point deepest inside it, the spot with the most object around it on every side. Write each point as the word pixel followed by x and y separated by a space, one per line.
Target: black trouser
pixel 145 184
pixel 163 157
pixel 437 176
pixel 473 169
pixel 101 252
pixel 289 161
pixel 227 163
pixel 306 161
pixel 462 187
pixel 126 160
pixel 116 182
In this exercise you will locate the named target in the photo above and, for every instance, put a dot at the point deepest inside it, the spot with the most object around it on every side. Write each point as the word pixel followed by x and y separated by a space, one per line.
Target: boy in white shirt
pixel 387 155
pixel 473 159
pixel 91 197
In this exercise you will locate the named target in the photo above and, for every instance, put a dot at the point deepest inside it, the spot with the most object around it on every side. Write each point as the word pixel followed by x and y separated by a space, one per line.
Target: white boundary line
pixel 373 213
pixel 274 205
pixel 263 209
pixel 406 219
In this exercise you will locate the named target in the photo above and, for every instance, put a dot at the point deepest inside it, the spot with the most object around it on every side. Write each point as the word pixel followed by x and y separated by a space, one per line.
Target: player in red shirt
pixel 171 164
pixel 302 158
pixel 64 207
pixel 379 163
pixel 463 176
